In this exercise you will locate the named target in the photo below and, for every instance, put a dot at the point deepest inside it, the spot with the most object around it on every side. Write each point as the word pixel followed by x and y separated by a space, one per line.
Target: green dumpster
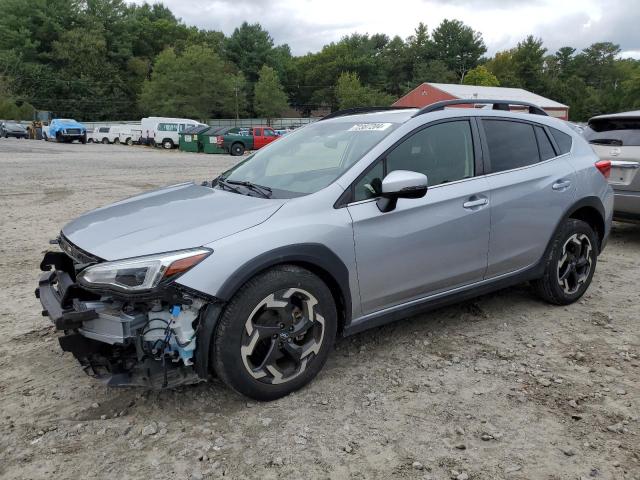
pixel 209 139
pixel 188 139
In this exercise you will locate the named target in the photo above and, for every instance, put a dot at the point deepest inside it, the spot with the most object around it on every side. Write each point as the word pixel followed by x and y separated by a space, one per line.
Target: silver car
pixel 616 138
pixel 365 217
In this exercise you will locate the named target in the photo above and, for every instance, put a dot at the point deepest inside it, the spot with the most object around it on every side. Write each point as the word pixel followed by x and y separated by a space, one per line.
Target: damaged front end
pixel 127 322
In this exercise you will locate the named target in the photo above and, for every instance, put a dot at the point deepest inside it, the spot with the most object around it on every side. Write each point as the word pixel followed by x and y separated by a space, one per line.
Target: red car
pixel 237 141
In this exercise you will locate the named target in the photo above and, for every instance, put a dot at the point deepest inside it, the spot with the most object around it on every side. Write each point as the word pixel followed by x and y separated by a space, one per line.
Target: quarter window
pixel 562 139
pixel 546 148
pixel 511 144
pixel 443 152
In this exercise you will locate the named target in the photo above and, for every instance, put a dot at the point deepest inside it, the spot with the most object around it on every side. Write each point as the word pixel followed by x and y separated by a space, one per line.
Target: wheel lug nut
pixel 282 325
pixel 289 339
pixel 275 335
pixel 291 328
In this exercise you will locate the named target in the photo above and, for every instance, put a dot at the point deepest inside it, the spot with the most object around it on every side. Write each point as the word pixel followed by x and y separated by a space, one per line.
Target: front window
pixel 311 158
pixel 443 152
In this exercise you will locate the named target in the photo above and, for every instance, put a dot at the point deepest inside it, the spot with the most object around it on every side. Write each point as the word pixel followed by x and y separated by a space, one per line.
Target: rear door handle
pixel 561 185
pixel 475 203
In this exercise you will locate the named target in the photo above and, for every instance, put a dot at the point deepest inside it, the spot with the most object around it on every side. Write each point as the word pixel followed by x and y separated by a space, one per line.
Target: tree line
pixel 109 60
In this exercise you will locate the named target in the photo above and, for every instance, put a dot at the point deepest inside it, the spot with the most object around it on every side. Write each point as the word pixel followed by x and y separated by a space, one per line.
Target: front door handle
pixel 475 203
pixel 561 185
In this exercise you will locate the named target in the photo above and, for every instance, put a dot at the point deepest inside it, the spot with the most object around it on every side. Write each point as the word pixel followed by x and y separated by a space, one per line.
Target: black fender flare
pixel 591 201
pixel 317 257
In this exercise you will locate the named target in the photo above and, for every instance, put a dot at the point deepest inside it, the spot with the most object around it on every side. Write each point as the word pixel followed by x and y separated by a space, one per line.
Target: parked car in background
pixel 107 134
pixel 236 142
pixel 129 134
pixel 163 131
pixel 90 135
pixel 66 130
pixel 13 129
pixel 357 220
pixel 616 138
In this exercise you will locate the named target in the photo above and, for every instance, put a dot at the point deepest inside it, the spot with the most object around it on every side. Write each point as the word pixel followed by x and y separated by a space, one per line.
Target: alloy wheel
pixel 574 265
pixel 283 333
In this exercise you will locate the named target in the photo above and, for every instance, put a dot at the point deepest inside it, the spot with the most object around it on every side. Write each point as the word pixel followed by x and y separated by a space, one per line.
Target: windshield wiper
pixel 223 183
pixel 260 189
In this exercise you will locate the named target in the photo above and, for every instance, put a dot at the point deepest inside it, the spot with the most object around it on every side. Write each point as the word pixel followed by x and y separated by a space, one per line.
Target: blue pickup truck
pixel 66 130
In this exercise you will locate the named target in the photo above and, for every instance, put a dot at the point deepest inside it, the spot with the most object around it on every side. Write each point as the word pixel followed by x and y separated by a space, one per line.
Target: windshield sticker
pixel 369 127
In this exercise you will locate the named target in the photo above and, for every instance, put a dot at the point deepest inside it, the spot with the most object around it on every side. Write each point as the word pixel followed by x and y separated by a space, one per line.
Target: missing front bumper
pixel 103 338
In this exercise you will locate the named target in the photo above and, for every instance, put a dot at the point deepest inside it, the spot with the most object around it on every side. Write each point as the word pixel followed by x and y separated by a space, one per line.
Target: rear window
pixel 562 139
pixel 614 131
pixel 511 144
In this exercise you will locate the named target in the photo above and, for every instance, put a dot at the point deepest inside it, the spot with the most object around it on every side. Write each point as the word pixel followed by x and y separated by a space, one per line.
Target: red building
pixel 428 93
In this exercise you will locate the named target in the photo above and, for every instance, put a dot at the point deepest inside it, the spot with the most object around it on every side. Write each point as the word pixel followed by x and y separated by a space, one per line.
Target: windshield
pixel 309 159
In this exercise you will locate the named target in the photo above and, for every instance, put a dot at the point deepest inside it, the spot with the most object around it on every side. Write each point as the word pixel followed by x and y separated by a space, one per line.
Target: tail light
pixel 605 167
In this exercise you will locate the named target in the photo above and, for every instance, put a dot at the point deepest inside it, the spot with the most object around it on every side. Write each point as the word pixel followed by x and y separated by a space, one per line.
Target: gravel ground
pixel 504 386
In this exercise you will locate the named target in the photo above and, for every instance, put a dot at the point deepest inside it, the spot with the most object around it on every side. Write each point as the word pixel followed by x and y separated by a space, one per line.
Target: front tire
pixel 275 334
pixel 167 144
pixel 570 264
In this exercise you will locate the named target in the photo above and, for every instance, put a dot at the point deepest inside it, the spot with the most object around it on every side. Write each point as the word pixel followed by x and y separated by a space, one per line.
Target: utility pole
pixel 237 112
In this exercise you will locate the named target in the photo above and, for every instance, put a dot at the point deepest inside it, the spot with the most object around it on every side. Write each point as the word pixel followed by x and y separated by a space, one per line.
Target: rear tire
pixel 570 265
pixel 105 140
pixel 237 149
pixel 116 141
pixel 129 142
pixel 275 334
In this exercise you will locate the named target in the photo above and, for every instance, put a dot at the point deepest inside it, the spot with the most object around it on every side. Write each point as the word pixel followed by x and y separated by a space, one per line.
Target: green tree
pixel 433 71
pixel 196 84
pixel 351 93
pixel 270 100
pixel 504 67
pixel 249 47
pixel 481 76
pixel 458 45
pixel 528 58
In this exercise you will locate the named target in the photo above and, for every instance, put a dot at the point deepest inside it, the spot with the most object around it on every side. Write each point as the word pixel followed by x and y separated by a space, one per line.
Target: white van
pixel 129 134
pixel 164 130
pixel 106 134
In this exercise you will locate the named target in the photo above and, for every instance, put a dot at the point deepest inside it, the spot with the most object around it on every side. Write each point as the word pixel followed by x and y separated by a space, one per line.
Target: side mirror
pixel 401 184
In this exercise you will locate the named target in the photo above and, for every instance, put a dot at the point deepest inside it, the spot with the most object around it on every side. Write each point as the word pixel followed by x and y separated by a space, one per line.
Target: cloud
pixel 307 25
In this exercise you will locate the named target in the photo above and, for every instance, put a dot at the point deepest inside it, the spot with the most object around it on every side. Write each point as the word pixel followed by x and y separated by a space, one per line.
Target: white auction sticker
pixel 369 127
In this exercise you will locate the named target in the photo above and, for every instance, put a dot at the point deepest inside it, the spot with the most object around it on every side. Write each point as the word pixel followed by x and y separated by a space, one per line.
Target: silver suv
pixel 616 138
pixel 360 219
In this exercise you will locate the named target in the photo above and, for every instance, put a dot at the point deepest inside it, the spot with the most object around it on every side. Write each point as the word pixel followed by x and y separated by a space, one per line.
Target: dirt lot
pixel 501 387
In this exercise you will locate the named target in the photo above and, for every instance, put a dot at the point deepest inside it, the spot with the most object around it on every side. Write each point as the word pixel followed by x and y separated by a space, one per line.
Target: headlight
pixel 142 273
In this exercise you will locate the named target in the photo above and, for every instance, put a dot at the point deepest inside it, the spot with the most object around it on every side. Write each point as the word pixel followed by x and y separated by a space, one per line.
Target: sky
pixel 307 25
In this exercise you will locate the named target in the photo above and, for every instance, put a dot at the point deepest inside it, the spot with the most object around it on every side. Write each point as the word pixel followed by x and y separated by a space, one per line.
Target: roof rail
pixel 359 110
pixel 497 105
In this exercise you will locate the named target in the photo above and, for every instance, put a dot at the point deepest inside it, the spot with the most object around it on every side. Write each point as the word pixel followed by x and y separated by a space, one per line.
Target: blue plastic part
pixel 175 310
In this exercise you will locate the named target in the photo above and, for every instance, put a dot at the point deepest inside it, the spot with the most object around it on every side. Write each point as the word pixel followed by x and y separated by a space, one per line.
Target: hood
pixel 15 128
pixel 70 125
pixel 172 218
